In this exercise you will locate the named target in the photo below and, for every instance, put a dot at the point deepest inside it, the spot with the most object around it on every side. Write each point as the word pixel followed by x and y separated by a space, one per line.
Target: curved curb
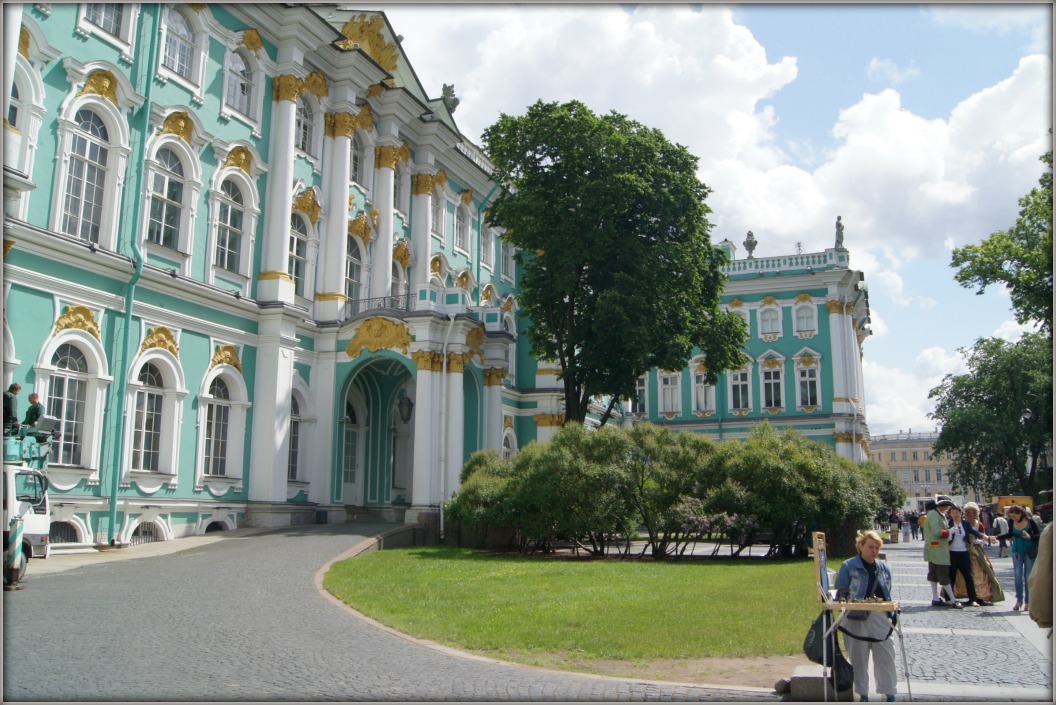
pixel 373 543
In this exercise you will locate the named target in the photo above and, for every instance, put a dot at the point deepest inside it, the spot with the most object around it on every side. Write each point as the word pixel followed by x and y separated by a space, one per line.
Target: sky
pixel 920 125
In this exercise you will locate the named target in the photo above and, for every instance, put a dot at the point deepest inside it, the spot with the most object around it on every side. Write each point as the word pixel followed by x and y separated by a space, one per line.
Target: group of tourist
pixel 958 568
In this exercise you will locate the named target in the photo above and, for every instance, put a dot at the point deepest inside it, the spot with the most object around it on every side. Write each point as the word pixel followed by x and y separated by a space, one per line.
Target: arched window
pixel 353 269
pixel 67 396
pixel 239 93
pixel 769 321
pixel 147 424
pixel 298 258
pixel 179 45
pixel 217 424
pixel 295 439
pixel 166 200
pixel 86 178
pixel 509 444
pixel 804 319
pixel 303 132
pixel 230 227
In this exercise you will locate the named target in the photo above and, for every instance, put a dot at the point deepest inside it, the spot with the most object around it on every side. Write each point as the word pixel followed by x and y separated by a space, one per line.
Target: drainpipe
pixel 443 424
pixel 121 368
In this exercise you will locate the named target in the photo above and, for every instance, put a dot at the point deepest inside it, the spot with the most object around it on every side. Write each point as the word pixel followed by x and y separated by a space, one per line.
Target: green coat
pixel 33 414
pixel 936 539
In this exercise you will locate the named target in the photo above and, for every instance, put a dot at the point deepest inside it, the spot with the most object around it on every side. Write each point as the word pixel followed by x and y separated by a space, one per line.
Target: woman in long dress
pixel 987 586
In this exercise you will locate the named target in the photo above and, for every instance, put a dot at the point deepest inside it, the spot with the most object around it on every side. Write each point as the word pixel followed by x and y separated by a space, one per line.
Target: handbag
pixel 814 647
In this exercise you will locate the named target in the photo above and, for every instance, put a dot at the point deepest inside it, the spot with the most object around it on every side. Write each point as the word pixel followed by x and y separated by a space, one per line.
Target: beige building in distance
pixel 909 457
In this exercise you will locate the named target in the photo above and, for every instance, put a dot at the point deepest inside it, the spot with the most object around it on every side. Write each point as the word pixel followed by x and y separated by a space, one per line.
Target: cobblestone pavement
pixel 976 653
pixel 241 620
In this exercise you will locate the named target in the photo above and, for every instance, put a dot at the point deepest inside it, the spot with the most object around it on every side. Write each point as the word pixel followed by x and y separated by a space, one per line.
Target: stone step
pixel 810 685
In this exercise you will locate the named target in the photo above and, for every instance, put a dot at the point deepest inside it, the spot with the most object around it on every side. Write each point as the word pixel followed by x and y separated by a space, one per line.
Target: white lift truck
pixel 27 514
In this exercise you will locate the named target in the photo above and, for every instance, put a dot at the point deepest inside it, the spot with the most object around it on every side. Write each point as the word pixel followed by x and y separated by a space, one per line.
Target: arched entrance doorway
pixel 375 436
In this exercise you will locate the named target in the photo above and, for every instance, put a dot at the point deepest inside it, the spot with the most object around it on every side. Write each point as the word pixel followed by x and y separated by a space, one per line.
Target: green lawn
pixel 517 607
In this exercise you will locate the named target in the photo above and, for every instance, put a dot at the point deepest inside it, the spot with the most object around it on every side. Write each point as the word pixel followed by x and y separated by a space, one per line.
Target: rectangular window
pixel 739 391
pixel 106 16
pixel 804 319
pixel 297 261
pixel 146 440
pixel 461 230
pixel 892 455
pixel 295 441
pixel 927 474
pixel 927 455
pixel 905 475
pixel 938 474
pixel 808 386
pixel 915 455
pixel 916 475
pixel 772 389
pixel 507 261
pixel 66 402
pixel 348 461
pixel 670 396
pixel 216 424
pixel 638 406
pixel 904 455
pixel 703 393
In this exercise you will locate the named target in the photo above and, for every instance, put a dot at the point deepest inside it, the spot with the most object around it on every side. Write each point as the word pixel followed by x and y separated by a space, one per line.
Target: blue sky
pixel 920 125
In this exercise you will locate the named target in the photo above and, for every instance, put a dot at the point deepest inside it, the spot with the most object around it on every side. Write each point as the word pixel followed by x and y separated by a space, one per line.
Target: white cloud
pixel 1012 331
pixel 898 399
pixel 888 71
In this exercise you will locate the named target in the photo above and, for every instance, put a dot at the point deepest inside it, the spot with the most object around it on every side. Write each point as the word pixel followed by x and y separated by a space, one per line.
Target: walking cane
pixel 905 664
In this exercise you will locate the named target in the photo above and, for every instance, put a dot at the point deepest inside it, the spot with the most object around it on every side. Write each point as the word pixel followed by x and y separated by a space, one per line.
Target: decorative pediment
pixel 402 253
pixel 101 82
pixel 226 355
pixel 363 32
pixel 308 203
pixel 360 227
pixel 161 337
pixel 376 334
pixel 179 124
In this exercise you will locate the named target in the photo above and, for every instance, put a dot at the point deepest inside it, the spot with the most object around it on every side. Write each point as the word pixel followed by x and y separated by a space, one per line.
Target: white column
pixel 838 341
pixel 330 296
pixel 273 385
pixel 324 386
pixel 274 283
pixel 493 407
pixel 424 487
pixel 422 186
pixel 456 421
pixel 386 157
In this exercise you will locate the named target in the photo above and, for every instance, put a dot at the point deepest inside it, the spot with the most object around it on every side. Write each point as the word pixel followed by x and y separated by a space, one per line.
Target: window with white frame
pixel 353 268
pixel 772 383
pixel 703 393
pixel 396 280
pixel 303 129
pixel 398 190
pixel 229 232
pixel 639 405
pixel 298 255
pixel 938 474
pixel 357 160
pixel 350 449
pixel 487 249
pixel 905 474
pixel 179 44
pixel 670 392
pixel 166 200
pixel 805 319
pixel 462 229
pixel 438 208
pixel 217 427
pixel 740 390
pixel 770 321
pixel 14 107
pixel 67 398
pixel 107 16
pixel 507 261
pixel 509 444
pixel 808 386
pixel 295 440
pixel 86 177
pixel 147 423
pixel 239 92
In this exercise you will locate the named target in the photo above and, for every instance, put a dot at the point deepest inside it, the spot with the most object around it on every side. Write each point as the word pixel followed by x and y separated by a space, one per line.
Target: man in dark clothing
pixel 11 408
pixel 35 410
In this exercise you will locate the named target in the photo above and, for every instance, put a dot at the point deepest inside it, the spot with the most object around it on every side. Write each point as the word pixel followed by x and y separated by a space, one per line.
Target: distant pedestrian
pixel 1000 529
pixel 1024 535
pixel 937 552
pixel 914 524
pixel 868 632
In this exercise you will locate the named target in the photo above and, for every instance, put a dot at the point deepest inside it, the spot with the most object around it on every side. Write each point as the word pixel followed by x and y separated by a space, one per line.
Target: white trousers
pixel 883 653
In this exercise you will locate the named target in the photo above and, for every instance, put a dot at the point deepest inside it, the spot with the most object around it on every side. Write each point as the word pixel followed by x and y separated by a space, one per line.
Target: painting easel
pixel 827 597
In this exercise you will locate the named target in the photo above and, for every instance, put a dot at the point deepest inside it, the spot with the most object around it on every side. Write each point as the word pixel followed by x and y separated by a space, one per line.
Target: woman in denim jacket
pixel 861 577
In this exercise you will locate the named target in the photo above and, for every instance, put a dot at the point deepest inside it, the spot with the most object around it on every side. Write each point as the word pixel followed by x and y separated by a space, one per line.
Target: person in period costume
pixel 987 586
pixel 867 632
pixel 962 539
pixel 1040 582
pixel 937 552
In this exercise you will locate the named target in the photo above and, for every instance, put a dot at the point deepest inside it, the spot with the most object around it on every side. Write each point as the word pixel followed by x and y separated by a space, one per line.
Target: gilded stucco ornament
pixel 507 422
pixel 374 217
pixel 23 42
pixel 771 363
pixel 161 337
pixel 375 90
pixel 736 303
pixel 807 361
pixel 834 306
pixel 462 282
pixel 475 339
pixel 179 124
pixel 307 203
pixel 701 367
pixel 508 306
pixel 239 157
pixel 365 118
pixel 487 295
pixel 769 301
pixel 467 196
pixel 376 334
pixel 316 84
pixel 101 82
pixel 252 41
pixel 226 355
pixel 428 361
pixel 402 253
pixel 8 244
pixel 435 264
pixel 421 184
pixel 456 362
pixel 387 157
pixel 360 227
pixel 493 376
pixel 197 6
pixel 339 124
pixel 364 32
pixel 550 420
pixel 79 317
pixel 287 87
pixel 804 298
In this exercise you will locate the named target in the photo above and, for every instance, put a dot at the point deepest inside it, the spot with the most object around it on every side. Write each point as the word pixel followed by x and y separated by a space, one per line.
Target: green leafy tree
pixel 889 492
pixel 1020 257
pixel 997 418
pixel 617 275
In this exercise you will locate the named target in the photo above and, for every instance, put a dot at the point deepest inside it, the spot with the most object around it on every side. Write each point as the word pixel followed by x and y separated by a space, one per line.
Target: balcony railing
pixel 356 307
